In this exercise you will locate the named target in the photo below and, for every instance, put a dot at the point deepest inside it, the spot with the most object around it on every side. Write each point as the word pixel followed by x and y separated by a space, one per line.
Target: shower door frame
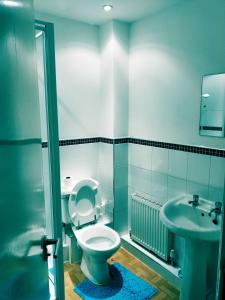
pixel 53 149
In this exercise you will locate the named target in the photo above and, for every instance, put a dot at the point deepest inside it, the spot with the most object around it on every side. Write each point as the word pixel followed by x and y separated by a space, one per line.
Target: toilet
pixel 82 209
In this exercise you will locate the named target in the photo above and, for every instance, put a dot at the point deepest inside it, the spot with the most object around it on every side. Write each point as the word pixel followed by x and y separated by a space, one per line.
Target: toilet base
pixel 96 271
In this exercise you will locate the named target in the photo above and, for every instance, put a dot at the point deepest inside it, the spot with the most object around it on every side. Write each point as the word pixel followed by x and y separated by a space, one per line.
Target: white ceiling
pixel 91 11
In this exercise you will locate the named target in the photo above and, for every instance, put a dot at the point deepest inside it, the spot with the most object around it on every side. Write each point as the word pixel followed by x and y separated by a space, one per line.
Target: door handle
pixel 46 242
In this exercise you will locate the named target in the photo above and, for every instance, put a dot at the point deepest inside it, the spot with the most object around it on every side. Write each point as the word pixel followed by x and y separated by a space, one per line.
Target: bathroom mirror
pixel 212 107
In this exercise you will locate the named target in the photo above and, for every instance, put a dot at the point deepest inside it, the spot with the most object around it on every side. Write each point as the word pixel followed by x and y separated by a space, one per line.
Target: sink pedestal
pixel 194 271
pixel 196 226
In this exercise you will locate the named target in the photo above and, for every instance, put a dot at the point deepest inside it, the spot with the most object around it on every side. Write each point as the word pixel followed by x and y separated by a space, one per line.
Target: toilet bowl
pixel 98 242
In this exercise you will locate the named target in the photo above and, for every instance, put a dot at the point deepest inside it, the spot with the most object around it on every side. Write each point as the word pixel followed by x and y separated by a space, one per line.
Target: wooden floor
pixel 165 291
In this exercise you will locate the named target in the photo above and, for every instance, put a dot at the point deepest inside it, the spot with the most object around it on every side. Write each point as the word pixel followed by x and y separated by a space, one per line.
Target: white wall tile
pixel 198 168
pixel 159 188
pixel 198 188
pixel 106 194
pixel 105 155
pixel 105 166
pixel 131 190
pixel 177 164
pixel 176 187
pixel 140 179
pixel 121 222
pixel 217 177
pixel 216 194
pixel 160 160
pixel 79 161
pixel 198 174
pixel 120 154
pixel 121 199
pixel 120 176
pixel 217 172
pixel 140 156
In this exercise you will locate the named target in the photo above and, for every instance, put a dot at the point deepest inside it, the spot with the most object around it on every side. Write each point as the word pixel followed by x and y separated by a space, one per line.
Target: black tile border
pixel 44 144
pixel 79 141
pixel 106 140
pixel 121 141
pixel 179 147
pixel 128 140
pixel 75 142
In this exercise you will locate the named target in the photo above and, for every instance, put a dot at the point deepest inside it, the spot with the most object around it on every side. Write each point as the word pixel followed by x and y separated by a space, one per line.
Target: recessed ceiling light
pixel 107 7
pixel 10 3
pixel 206 95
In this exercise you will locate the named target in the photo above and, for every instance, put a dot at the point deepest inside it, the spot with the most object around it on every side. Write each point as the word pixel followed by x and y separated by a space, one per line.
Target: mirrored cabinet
pixel 212 107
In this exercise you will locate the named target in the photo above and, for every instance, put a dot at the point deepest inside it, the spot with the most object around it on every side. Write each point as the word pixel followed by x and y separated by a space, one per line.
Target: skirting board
pixel 167 271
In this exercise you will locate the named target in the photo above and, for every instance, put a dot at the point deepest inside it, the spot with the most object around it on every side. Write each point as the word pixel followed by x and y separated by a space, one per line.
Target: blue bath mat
pixel 124 285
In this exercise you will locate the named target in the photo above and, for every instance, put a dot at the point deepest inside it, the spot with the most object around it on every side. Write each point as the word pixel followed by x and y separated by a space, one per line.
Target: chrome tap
pixel 217 210
pixel 195 201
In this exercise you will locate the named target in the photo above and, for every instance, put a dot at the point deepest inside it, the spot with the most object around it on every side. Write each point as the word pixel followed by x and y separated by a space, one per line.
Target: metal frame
pixel 209 135
pixel 53 148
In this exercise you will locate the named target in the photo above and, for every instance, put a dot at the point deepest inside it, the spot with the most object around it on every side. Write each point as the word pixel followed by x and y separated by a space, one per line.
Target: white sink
pixel 190 221
pixel 198 227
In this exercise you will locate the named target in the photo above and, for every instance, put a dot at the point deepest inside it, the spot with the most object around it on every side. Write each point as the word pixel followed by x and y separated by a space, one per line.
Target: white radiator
pixel 147 228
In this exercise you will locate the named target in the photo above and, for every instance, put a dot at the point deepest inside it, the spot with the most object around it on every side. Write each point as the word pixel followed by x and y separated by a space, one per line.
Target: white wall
pixel 114 45
pixel 169 54
pixel 107 92
pixel 92 78
pixel 78 77
pixel 121 78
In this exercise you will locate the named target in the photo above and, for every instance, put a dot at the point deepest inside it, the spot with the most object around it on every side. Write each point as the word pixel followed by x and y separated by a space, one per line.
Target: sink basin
pixel 190 221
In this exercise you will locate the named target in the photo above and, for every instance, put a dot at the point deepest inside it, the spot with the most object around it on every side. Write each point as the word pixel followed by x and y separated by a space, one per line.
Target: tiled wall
pixel 165 173
pixel 77 161
pixel 121 187
pixel 105 178
pixel 155 169
pixel 127 165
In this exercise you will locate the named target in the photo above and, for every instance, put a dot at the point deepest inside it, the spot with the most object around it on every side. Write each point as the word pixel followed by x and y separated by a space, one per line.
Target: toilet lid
pixel 82 202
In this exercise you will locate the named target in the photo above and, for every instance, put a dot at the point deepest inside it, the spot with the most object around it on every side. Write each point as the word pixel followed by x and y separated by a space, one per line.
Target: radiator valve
pixel 172 257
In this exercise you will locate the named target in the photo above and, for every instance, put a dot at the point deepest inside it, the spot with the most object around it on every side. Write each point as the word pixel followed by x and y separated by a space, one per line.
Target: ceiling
pixel 90 11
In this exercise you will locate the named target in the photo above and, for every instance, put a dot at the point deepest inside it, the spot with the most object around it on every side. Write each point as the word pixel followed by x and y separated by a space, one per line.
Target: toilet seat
pixel 83 202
